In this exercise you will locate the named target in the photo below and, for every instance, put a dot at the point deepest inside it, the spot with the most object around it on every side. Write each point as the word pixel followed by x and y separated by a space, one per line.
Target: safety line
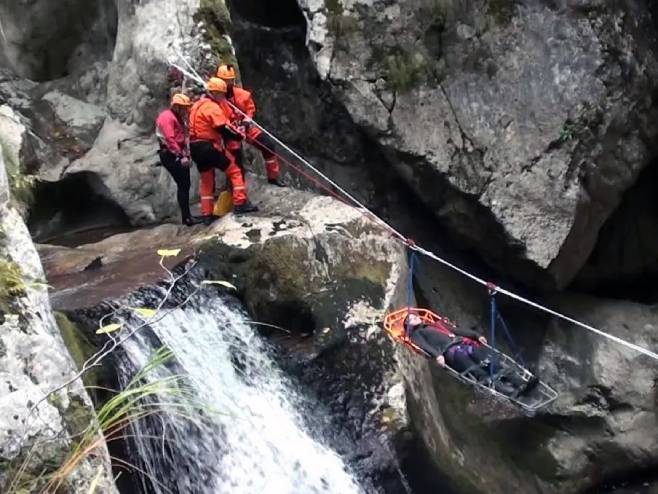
pixel 412 245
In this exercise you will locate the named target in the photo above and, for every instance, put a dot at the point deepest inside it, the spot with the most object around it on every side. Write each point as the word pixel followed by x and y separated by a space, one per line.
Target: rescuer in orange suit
pixel 210 127
pixel 245 102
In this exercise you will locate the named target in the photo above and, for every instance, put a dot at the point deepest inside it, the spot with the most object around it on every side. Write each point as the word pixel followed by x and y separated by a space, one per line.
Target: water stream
pixel 252 438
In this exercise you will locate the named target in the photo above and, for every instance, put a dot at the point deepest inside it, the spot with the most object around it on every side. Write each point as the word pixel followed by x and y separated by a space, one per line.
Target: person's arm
pixel 420 340
pixel 221 124
pixel 230 133
pixel 469 333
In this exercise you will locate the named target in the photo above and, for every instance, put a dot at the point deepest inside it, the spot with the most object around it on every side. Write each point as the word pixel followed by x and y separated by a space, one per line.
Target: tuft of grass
pixel 140 399
pixel 405 70
pixel 568 132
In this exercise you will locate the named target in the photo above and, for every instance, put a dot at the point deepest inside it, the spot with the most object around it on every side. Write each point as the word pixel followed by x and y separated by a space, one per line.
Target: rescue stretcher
pixel 537 398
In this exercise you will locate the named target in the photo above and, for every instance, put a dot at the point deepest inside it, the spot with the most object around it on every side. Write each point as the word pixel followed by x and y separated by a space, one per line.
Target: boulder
pixel 36 433
pixel 94 113
pixel 519 125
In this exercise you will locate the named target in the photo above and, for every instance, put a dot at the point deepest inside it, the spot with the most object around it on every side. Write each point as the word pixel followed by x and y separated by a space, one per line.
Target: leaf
pixel 168 252
pixel 220 283
pixel 144 312
pixel 110 328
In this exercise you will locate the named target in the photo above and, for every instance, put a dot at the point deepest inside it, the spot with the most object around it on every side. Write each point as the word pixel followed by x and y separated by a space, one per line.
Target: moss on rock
pixel 215 16
pixel 79 347
pixel 21 184
pixel 12 284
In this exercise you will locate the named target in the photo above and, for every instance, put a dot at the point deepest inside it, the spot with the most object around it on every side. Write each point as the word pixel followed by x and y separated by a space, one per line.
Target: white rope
pixel 194 75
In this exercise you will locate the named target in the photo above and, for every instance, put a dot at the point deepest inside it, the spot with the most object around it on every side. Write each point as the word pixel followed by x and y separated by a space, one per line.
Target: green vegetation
pixel 20 184
pixel 405 69
pixel 139 400
pixel 217 20
pixel 12 283
pixel 568 132
pixel 79 347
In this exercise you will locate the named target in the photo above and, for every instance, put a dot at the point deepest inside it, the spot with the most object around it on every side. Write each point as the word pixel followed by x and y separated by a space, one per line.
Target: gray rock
pixel 94 117
pixel 36 433
pixel 507 118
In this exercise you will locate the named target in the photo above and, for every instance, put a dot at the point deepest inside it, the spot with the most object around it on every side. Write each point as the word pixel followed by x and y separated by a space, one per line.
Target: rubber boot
pixel 245 208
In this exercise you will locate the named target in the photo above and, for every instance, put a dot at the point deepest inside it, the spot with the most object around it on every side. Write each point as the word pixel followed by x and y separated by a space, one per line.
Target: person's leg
pixel 181 176
pixel 460 360
pixel 206 158
pixel 506 384
pixel 207 191
pixel 266 146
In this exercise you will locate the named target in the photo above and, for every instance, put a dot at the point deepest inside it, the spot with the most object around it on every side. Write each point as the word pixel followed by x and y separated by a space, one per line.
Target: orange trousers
pixel 207 187
pixel 264 144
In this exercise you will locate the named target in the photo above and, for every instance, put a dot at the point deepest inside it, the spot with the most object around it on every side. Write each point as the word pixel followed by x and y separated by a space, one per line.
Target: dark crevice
pixel 624 263
pixel 63 211
pixel 281 13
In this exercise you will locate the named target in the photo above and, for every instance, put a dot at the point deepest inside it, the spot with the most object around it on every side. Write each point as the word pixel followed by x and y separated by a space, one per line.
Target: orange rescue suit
pixel 206 117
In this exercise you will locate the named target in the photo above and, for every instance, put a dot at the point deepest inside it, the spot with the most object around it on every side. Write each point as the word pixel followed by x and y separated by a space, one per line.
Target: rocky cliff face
pixel 37 435
pixel 87 92
pixel 519 124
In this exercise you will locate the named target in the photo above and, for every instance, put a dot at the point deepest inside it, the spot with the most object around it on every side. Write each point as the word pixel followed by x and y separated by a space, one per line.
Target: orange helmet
pixel 216 84
pixel 226 72
pixel 180 99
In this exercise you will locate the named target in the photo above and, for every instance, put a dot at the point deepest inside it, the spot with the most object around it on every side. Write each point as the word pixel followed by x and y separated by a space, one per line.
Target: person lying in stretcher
pixel 463 351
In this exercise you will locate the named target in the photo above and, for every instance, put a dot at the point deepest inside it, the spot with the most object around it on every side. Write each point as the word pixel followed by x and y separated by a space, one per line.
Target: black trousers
pixel 181 176
pixel 206 156
pixel 464 357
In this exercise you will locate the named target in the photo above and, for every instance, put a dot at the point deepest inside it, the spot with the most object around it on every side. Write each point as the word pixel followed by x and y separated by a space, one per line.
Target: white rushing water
pixel 259 443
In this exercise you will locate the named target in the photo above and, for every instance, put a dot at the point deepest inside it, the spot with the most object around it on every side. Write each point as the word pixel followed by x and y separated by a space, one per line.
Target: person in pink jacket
pixel 174 154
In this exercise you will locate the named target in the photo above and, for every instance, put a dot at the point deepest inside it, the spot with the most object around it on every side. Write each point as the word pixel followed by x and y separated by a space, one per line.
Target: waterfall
pixel 254 440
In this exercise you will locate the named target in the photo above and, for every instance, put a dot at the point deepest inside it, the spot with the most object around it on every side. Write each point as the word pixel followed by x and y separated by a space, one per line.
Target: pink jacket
pixel 171 133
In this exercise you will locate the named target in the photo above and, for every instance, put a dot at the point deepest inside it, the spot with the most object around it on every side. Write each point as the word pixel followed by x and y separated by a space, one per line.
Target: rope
pixel 400 237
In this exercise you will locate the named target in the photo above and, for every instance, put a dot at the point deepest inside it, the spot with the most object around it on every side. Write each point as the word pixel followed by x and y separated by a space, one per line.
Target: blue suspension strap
pixel 496 317
pixel 517 352
pixel 410 279
pixel 492 327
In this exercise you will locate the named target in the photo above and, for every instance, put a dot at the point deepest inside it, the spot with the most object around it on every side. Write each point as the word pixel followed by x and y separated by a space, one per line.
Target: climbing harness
pixel 341 194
